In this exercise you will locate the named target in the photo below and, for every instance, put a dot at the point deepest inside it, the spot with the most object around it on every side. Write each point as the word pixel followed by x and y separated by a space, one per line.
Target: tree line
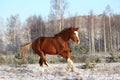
pixel 99 33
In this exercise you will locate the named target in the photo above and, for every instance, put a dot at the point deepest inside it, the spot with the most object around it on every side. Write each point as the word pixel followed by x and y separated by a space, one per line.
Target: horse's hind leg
pixel 42 58
pixel 41 62
pixel 41 65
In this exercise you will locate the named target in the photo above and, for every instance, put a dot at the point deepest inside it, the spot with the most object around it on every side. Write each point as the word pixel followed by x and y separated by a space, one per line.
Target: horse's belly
pixel 50 50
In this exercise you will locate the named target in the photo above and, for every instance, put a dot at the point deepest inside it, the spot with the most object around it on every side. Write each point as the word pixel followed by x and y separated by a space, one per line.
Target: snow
pixel 102 71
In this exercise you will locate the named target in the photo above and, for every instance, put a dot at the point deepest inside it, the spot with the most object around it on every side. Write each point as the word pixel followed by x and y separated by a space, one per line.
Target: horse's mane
pixel 62 32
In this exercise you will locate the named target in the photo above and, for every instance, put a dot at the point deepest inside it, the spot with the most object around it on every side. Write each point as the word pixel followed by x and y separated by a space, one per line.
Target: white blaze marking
pixel 77 36
pixel 70 64
pixel 70 61
pixel 47 64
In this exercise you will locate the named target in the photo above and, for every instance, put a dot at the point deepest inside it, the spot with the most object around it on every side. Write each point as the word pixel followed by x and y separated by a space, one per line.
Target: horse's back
pixel 45 44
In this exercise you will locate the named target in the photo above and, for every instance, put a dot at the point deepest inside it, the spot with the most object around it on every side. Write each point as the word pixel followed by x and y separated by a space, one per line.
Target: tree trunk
pixel 118 40
pixel 92 35
pixel 110 36
pixel 104 33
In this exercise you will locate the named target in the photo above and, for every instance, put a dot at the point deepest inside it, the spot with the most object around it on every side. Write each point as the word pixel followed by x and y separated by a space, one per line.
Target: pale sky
pixel 26 8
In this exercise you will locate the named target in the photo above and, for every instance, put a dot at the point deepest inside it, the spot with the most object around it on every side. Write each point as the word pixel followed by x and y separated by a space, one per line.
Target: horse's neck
pixel 64 37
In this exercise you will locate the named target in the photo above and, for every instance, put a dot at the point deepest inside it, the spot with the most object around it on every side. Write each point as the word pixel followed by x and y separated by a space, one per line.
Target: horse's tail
pixel 24 48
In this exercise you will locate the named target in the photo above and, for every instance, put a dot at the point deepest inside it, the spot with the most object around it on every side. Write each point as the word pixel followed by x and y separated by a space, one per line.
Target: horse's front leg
pixel 67 55
pixel 70 64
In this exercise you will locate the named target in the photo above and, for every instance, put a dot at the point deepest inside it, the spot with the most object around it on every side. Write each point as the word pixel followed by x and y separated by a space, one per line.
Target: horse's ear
pixel 74 29
pixel 77 29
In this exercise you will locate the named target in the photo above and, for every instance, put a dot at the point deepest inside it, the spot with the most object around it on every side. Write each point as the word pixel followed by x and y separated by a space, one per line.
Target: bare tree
pixel 103 22
pixel 109 13
pixel 92 33
pixel 36 25
pixel 117 24
pixel 1 45
pixel 58 8
pixel 1 33
pixel 13 24
pixel 90 29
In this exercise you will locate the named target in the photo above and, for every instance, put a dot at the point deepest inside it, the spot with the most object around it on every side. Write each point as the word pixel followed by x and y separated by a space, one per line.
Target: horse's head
pixel 74 35
pixel 69 33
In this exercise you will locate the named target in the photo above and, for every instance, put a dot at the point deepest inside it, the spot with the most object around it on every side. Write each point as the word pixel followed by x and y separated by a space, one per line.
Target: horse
pixel 56 45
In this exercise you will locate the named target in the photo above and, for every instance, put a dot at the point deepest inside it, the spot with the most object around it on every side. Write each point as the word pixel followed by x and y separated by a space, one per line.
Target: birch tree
pixel 104 32
pixel 90 29
pixel 36 25
pixel 109 13
pixel 13 26
pixel 57 11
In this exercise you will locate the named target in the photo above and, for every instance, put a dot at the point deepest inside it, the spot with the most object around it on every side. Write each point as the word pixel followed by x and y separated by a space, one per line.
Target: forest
pixel 99 34
pixel 97 57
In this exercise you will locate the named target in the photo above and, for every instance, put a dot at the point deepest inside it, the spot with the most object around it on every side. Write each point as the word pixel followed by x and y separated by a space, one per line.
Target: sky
pixel 26 8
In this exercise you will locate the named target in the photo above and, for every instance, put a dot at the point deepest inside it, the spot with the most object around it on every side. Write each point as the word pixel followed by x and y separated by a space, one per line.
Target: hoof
pixel 77 73
pixel 67 69
pixel 47 64
pixel 41 69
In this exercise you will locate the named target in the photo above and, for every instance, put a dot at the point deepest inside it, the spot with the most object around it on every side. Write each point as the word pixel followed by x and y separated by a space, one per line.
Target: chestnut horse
pixel 57 45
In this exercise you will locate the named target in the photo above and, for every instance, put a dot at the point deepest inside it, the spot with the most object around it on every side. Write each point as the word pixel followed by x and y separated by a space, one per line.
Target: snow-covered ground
pixel 102 71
